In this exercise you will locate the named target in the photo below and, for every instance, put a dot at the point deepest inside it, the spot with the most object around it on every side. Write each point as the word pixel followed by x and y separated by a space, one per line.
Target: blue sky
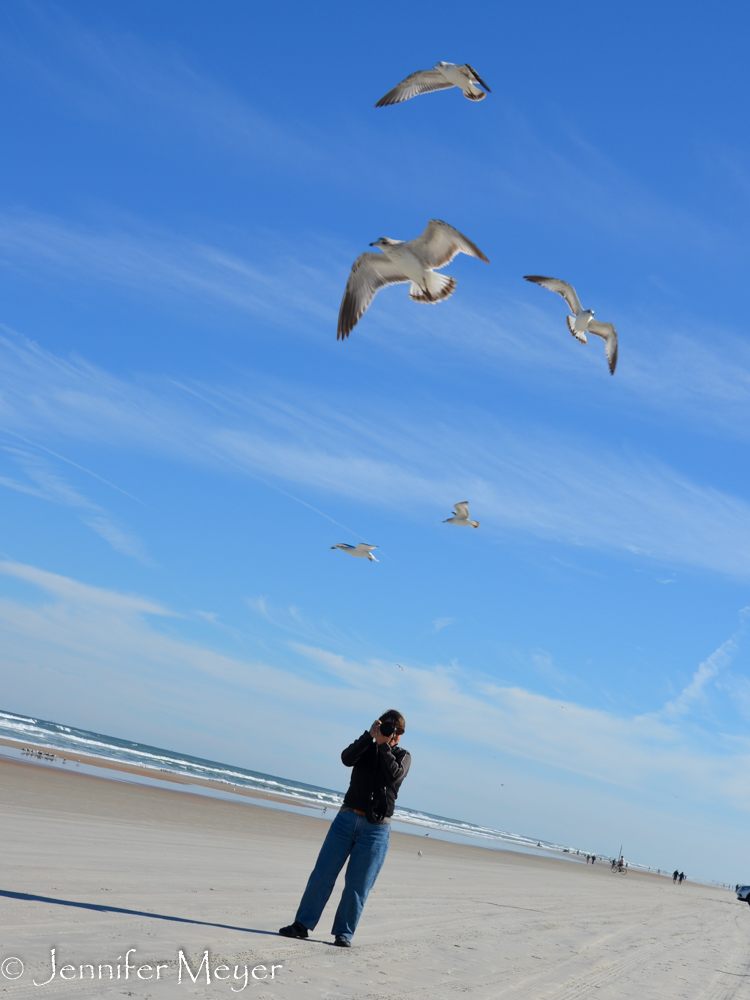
pixel 183 191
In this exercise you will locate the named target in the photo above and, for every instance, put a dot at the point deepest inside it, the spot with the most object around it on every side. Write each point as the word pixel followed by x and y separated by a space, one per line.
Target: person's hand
pixel 391 740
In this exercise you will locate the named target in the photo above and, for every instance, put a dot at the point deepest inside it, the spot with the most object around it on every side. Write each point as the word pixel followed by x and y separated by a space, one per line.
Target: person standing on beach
pixel 675 875
pixel 360 831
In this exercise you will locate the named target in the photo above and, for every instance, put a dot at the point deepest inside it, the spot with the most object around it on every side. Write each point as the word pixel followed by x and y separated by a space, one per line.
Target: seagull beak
pixel 373 244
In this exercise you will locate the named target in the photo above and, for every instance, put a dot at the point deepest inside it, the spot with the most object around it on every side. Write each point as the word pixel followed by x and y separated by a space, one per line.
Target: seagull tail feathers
pixel 474 93
pixel 578 334
pixel 438 287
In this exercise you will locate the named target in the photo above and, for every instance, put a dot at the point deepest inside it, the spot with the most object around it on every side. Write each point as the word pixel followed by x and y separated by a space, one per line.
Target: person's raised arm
pixel 354 751
pixel 394 768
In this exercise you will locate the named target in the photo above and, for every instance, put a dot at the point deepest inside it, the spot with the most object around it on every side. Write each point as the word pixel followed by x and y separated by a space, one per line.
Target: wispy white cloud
pixel 708 670
pixel 118 78
pixel 441 623
pixel 81 594
pixel 647 753
pixel 51 486
pixel 542 484
pixel 677 374
pixel 190 696
pixel 626 751
pixel 174 269
pixel 81 468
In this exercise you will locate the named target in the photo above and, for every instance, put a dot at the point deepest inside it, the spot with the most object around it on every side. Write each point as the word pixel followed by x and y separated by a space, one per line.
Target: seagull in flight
pixel 414 261
pixel 582 321
pixel 399 666
pixel 461 516
pixel 444 76
pixel 361 551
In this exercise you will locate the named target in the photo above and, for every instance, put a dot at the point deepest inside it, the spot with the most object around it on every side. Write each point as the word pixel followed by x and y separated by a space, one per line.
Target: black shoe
pixel 342 942
pixel 295 930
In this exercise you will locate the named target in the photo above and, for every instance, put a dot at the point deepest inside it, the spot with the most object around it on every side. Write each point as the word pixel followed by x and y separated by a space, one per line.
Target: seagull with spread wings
pixel 361 551
pixel 582 321
pixel 461 516
pixel 442 77
pixel 414 261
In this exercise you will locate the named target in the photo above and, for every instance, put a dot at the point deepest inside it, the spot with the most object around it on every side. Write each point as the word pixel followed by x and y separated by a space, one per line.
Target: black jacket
pixel 377 773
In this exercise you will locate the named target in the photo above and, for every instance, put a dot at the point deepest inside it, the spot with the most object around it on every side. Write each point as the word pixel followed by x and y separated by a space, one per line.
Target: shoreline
pixel 274 800
pixel 156 773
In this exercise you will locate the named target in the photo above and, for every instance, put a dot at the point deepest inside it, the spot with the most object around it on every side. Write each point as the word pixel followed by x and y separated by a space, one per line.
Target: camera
pixel 388 728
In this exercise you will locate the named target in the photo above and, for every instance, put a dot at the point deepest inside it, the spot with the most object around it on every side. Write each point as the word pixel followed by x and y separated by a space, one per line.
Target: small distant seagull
pixel 444 76
pixel 361 551
pixel 461 516
pixel 419 854
pixel 414 260
pixel 399 666
pixel 582 321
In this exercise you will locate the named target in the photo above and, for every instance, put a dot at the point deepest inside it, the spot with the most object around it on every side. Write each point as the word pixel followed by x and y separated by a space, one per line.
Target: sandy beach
pixel 93 868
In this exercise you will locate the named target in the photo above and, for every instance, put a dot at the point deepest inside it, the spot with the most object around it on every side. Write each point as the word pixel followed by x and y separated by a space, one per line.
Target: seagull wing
pixel 462 509
pixel 439 244
pixel 561 287
pixel 608 332
pixel 424 81
pixel 478 78
pixel 370 272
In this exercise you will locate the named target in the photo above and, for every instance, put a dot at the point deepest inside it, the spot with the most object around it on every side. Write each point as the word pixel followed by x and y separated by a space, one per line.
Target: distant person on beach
pixel 682 877
pixel 360 831
pixel 675 875
pixel 593 858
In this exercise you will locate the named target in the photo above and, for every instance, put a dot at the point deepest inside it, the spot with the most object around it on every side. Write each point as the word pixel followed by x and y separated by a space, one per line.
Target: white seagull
pixel 442 77
pixel 414 261
pixel 582 321
pixel 461 516
pixel 361 551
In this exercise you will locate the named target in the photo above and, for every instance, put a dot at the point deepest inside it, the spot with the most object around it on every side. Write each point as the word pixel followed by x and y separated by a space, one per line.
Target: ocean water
pixel 155 761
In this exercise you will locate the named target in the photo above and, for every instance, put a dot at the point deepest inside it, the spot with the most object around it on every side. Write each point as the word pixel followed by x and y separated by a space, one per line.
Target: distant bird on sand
pixel 414 261
pixel 361 551
pixel 582 321
pixel 442 77
pixel 461 516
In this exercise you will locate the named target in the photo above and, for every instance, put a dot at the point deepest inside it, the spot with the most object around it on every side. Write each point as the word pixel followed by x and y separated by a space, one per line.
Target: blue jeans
pixel 365 844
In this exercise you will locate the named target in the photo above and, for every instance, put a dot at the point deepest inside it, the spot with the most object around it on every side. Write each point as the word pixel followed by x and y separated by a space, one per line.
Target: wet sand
pixel 92 868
